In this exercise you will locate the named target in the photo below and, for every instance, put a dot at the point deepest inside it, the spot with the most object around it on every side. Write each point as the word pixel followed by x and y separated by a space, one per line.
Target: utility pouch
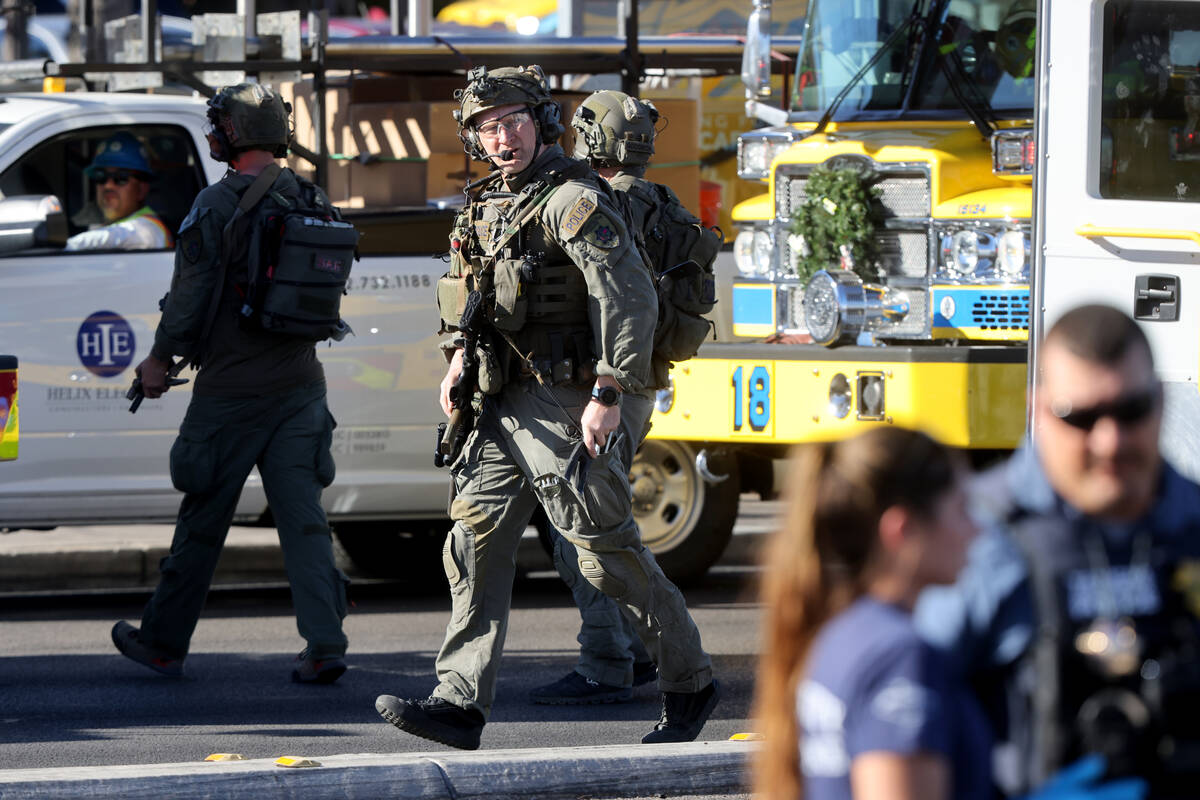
pixel 491 376
pixel 511 302
pixel 679 334
pixel 452 299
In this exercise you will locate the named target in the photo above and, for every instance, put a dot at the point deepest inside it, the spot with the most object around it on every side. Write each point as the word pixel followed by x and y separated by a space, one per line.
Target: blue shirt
pixel 874 685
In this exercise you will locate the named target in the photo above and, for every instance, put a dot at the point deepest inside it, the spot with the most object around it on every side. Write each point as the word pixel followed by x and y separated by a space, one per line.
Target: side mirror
pixel 31 220
pixel 756 59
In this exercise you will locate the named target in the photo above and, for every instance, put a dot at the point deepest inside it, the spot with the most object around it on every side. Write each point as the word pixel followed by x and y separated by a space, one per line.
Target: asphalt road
pixel 67 698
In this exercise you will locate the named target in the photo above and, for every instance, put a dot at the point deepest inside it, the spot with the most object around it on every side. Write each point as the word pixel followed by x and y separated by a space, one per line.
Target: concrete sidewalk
pixel 697 768
pixel 127 556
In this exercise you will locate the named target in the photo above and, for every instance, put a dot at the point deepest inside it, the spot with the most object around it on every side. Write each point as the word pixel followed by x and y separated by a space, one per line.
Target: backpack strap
pixel 556 178
pixel 250 198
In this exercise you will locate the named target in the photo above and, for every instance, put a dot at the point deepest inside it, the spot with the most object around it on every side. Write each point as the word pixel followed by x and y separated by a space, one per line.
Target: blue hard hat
pixel 120 151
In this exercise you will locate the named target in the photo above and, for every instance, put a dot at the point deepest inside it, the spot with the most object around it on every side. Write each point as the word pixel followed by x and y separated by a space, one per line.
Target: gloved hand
pixel 1082 781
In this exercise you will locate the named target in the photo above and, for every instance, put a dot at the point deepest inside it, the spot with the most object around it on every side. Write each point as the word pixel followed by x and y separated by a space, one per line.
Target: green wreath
pixel 840 210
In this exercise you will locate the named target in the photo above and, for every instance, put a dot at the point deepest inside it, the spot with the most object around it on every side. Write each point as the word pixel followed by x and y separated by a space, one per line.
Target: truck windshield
pixel 934 53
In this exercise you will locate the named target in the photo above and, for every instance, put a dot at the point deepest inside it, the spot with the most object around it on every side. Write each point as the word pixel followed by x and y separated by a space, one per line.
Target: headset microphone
pixel 503 155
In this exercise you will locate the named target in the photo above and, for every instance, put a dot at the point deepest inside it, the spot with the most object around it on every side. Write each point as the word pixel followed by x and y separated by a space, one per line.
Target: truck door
pixel 80 322
pixel 1117 188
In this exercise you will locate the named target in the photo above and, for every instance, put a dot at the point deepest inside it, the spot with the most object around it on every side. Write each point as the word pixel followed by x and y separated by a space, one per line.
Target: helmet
pixel 249 116
pixel 616 128
pixel 506 86
pixel 122 151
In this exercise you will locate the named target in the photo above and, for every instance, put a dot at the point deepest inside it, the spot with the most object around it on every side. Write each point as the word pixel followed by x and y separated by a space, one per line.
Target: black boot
pixel 683 715
pixel 434 719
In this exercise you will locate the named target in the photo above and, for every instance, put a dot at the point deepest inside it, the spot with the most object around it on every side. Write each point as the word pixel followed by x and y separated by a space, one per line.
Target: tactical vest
pixel 1112 667
pixel 538 304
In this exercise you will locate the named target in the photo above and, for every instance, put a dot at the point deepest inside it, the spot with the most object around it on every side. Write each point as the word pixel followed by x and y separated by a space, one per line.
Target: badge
pixel 191 243
pixel 1186 581
pixel 578 215
pixel 602 233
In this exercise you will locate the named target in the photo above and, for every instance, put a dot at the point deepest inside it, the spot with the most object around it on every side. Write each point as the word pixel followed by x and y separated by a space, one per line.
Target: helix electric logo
pixel 105 344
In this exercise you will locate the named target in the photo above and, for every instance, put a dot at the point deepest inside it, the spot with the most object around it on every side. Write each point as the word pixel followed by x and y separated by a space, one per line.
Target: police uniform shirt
pixel 873 685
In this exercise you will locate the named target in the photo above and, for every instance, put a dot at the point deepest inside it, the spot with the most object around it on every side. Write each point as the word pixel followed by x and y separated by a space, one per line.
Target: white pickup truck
pixel 81 321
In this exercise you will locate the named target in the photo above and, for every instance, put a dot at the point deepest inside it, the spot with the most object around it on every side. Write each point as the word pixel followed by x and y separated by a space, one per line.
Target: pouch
pixel 511 302
pixel 452 299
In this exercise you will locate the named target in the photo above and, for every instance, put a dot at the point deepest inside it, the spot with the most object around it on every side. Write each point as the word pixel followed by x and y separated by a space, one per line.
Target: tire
pixel 410 550
pixel 686 522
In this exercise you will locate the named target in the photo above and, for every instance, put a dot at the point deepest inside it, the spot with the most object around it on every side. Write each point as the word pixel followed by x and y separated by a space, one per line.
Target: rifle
pixel 136 394
pixel 452 435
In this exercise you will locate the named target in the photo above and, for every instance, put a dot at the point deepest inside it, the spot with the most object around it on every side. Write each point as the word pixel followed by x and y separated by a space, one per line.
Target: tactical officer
pixel 1077 615
pixel 121 173
pixel 259 399
pixel 614 132
pixel 563 375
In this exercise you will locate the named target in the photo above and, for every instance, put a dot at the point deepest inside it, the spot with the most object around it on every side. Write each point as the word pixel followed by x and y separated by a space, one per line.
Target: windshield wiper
pixel 978 108
pixel 871 62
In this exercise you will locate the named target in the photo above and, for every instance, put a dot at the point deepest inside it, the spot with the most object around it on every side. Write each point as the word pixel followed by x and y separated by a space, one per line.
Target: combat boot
pixel 434 718
pixel 128 640
pixel 576 690
pixel 307 669
pixel 683 715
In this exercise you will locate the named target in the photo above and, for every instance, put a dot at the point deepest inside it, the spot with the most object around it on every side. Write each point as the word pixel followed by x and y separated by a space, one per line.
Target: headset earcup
pixel 549 120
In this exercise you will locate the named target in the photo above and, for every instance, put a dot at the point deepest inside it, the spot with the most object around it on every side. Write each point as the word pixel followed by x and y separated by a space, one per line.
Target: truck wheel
pixel 407 549
pixel 685 521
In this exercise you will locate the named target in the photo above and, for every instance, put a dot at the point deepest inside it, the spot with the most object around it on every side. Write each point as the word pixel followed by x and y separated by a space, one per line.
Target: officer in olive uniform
pixel 259 398
pixel 563 379
pixel 615 133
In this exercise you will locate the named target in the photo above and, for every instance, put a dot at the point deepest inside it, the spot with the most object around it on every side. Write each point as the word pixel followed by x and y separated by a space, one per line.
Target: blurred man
pixel 1076 618
pixel 121 175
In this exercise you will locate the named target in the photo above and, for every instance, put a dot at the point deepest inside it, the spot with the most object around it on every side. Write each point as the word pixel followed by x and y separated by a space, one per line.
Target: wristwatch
pixel 606 395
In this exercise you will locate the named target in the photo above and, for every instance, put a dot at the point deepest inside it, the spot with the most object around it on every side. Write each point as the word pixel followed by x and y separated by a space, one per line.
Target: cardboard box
pixel 446 174
pixel 678 143
pixel 384 184
pixel 684 181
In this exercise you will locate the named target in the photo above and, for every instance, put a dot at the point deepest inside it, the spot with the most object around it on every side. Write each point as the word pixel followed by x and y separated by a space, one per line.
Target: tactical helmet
pixel 615 128
pixel 506 86
pixel 120 151
pixel 249 116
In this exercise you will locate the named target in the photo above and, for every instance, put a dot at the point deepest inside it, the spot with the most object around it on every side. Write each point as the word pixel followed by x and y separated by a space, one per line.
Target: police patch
pixel 602 233
pixel 578 215
pixel 191 243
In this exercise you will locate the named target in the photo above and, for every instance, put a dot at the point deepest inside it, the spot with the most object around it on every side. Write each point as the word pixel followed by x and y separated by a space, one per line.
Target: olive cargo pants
pixel 608 647
pixel 288 436
pixel 526 449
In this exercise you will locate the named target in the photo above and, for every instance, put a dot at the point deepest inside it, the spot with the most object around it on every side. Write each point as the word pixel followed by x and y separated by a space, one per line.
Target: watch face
pixel 607 395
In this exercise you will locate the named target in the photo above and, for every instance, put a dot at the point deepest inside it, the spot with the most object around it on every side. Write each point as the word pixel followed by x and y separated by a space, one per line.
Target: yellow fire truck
pixel 923 112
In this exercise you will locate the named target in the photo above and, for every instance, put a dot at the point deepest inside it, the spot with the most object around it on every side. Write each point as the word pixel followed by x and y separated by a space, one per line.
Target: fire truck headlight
pixel 961 253
pixel 752 252
pixel 1013 255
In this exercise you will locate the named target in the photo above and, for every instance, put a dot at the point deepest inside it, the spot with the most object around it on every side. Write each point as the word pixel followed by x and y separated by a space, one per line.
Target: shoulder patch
pixel 601 232
pixel 191 244
pixel 579 214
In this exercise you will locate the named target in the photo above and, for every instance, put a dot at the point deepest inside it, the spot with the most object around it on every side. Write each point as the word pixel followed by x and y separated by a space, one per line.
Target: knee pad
pixel 614 573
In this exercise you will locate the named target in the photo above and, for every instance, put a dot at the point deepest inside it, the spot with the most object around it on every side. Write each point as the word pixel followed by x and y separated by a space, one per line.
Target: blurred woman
pixel 852 704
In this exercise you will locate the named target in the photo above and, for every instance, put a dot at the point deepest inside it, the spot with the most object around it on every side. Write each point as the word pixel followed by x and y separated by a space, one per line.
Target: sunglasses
pixel 118 176
pixel 1128 410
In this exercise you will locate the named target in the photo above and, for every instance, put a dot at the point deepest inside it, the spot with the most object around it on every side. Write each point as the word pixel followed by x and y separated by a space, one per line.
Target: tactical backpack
pixel 680 251
pixel 298 261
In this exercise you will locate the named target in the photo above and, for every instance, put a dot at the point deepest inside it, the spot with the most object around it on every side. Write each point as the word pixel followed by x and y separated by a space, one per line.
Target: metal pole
pixel 321 171
pixel 631 75
pixel 248 10
pixel 394 17
pixel 150 29
pixel 420 17
pixel 570 18
pixel 15 44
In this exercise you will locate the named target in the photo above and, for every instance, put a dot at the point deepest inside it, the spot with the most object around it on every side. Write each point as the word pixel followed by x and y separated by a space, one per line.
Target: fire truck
pixel 883 273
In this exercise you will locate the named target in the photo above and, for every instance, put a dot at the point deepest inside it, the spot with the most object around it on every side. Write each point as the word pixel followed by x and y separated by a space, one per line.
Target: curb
pixel 693 767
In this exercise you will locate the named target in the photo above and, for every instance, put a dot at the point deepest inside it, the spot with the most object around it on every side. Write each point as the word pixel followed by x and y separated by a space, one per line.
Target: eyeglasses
pixel 509 123
pixel 1128 410
pixel 118 176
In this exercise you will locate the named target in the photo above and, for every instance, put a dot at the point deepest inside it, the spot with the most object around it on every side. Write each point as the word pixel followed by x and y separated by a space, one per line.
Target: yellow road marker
pixel 746 737
pixel 226 757
pixel 295 761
